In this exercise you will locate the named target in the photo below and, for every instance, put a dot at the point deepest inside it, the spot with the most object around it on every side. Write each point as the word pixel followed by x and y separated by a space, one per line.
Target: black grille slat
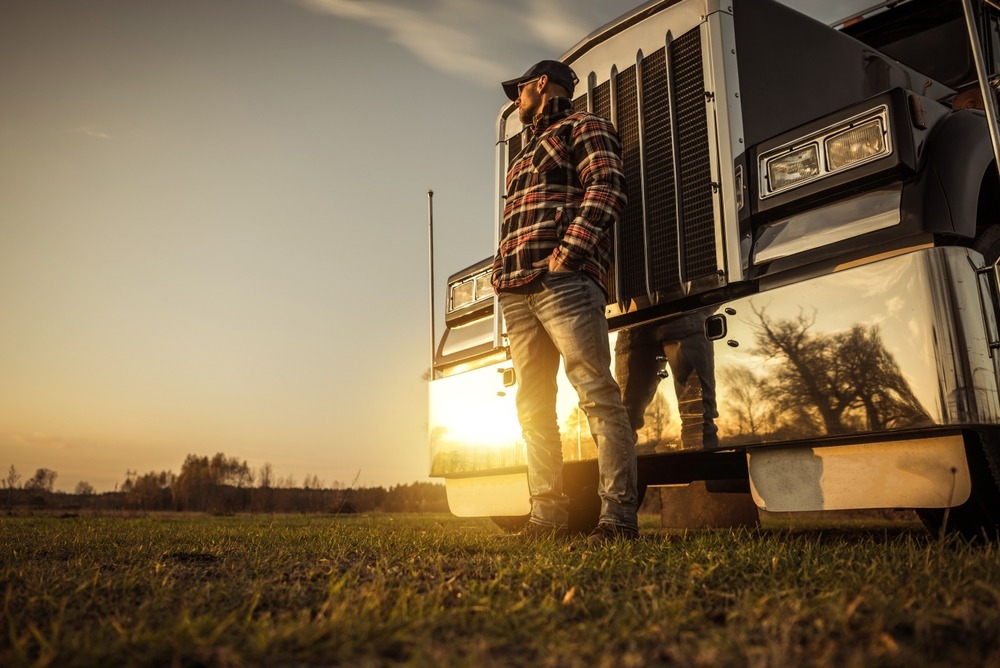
pixel 602 100
pixel 631 236
pixel 602 107
pixel 661 200
pixel 580 103
pixel 697 215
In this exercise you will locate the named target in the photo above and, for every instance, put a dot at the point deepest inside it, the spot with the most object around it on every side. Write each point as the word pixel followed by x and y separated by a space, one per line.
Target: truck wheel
pixel 979 517
pixel 987 242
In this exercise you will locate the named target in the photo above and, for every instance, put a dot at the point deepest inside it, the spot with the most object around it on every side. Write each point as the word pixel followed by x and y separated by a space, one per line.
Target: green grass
pixel 436 590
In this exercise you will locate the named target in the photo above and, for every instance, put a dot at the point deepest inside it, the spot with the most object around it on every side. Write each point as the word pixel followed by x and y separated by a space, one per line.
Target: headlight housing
pixel 470 293
pixel 836 148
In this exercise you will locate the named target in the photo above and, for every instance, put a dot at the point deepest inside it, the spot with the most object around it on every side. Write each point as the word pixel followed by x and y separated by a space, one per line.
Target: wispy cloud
pixel 92 131
pixel 555 23
pixel 478 40
pixel 440 37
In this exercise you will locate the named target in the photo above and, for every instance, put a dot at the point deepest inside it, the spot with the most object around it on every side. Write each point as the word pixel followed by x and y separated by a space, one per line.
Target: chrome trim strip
pixel 729 131
pixel 827 225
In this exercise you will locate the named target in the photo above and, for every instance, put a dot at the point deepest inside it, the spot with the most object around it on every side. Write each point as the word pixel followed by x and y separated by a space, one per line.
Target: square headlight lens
pixel 483 286
pixel 793 167
pixel 462 294
pixel 858 144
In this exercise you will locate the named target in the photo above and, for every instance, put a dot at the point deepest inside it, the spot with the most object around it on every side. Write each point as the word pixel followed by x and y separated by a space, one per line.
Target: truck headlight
pixel 856 145
pixel 835 148
pixel 462 294
pixel 800 165
pixel 470 293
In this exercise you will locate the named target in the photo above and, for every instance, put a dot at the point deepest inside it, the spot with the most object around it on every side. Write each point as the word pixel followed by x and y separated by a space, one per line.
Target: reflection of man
pixel 691 358
pixel 564 191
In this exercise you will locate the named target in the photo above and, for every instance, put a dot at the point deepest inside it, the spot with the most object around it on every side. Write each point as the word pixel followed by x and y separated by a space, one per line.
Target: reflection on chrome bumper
pixel 899 344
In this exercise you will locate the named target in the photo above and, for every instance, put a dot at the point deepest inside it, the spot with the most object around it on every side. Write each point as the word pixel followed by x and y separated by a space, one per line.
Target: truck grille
pixel 666 239
pixel 677 220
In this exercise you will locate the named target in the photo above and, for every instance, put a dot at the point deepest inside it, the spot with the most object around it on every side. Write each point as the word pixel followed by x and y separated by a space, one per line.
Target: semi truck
pixel 804 297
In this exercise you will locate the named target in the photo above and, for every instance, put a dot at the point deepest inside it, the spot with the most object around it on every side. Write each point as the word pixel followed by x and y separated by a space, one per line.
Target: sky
pixel 213 222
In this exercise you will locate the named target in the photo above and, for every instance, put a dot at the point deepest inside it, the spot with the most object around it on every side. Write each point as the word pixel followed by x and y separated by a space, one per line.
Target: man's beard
pixel 527 115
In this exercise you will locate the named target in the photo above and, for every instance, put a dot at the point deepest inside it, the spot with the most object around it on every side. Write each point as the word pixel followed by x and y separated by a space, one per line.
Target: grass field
pixel 437 590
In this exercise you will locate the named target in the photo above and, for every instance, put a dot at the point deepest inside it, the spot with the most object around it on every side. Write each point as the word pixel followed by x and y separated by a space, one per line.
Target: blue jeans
pixel 561 314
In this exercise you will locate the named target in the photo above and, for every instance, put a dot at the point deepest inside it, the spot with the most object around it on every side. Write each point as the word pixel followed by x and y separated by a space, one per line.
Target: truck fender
pixel 948 190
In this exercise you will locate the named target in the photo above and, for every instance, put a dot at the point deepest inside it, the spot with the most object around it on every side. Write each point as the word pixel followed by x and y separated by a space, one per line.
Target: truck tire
pixel 979 517
pixel 988 243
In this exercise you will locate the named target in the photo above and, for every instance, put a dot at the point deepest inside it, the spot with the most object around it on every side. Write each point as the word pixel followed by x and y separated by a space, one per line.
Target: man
pixel 565 189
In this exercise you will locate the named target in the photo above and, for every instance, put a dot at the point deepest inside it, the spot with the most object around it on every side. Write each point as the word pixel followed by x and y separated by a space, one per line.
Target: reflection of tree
pixel 847 381
pixel 746 403
pixel 575 435
pixel 882 391
pixel 657 419
pixel 811 377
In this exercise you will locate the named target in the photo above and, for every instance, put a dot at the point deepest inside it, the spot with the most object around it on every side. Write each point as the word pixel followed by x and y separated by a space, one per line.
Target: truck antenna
pixel 430 238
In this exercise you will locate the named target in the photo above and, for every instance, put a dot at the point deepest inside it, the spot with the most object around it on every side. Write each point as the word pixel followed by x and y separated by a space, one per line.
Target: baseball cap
pixel 558 72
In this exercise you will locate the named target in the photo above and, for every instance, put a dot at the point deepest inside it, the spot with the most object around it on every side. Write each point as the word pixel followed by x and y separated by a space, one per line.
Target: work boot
pixel 536 531
pixel 605 533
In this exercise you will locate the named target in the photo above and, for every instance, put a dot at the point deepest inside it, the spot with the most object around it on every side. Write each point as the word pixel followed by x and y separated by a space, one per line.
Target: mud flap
pixel 916 473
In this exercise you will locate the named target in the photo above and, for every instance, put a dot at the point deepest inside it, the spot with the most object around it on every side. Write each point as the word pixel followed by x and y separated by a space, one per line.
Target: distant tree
pixel 312 482
pixel 215 484
pixel 262 500
pixel 266 476
pixel 193 486
pixel 83 488
pixel 151 491
pixel 418 497
pixel 43 480
pixel 363 499
pixel 10 483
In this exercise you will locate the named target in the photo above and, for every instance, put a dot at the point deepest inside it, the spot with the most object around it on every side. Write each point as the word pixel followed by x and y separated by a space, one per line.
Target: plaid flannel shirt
pixel 565 189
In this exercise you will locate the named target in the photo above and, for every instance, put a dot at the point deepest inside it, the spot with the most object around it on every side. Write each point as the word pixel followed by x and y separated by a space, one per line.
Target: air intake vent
pixel 667 235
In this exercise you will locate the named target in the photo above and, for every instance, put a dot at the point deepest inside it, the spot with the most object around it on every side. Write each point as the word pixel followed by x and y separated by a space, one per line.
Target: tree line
pixel 221 485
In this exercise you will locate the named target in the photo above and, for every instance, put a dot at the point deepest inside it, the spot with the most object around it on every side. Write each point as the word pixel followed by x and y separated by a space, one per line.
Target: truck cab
pixel 804 298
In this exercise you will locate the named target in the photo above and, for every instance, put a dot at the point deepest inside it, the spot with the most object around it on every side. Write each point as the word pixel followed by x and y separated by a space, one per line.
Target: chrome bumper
pixel 899 344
